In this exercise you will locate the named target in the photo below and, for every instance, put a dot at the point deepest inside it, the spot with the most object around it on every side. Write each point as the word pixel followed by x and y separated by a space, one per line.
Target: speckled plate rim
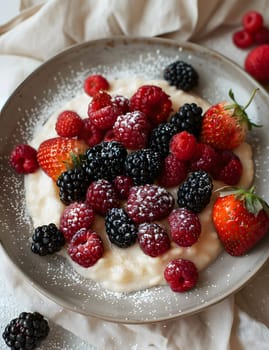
pixel 193 48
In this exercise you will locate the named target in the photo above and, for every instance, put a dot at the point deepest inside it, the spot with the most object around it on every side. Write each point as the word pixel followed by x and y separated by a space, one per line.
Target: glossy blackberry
pixel 47 239
pixel 188 118
pixel 73 185
pixel 105 160
pixel 181 75
pixel 195 192
pixel 120 228
pixel 143 166
pixel 160 138
pixel 26 331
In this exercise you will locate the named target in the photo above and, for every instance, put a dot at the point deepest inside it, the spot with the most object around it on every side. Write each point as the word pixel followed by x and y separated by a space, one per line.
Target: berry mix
pixel 254 35
pixel 135 162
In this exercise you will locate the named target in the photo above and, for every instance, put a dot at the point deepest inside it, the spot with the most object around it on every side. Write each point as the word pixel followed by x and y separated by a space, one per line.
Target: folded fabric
pixel 45 28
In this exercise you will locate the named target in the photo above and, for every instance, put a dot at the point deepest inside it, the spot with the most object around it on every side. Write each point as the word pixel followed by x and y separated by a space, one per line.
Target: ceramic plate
pixel 60 79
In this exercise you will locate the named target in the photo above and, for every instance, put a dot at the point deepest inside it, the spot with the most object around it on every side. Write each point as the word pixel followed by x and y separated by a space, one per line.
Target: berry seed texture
pixel 150 192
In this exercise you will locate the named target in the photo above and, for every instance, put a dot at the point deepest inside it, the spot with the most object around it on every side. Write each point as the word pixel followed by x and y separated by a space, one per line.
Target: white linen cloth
pixel 44 28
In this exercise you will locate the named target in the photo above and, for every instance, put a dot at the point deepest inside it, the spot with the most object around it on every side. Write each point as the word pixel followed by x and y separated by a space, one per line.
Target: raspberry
pixel 173 172
pixel 262 36
pixel 256 63
pixel 75 216
pixel 243 39
pixel 181 275
pixel 205 158
pixel 90 133
pixel 86 247
pixel 105 160
pixel 109 135
pixel 105 117
pixel 47 239
pixel 195 192
pixel 100 99
pixel 183 145
pixel 132 130
pixel 143 166
pixel 152 101
pixel 120 228
pixel 148 203
pixel 68 124
pixel 153 239
pixel 27 331
pixel 185 227
pixel 122 103
pixel 101 196
pixel 229 169
pixel 181 75
pixel 122 185
pixel 23 159
pixel 252 21
pixel 94 83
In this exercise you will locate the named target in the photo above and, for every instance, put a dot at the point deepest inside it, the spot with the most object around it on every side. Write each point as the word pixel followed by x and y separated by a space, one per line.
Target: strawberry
pixel 56 155
pixel 241 220
pixel 225 125
pixel 256 63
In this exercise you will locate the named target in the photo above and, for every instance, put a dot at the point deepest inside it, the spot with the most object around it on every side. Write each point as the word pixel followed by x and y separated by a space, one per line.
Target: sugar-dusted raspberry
pixel 90 133
pixel 94 83
pixel 173 172
pixel 105 117
pixel 243 39
pixel 122 102
pixel 229 169
pixel 183 145
pixel 205 158
pixel 122 185
pixel 75 216
pixel 132 130
pixel 153 239
pixel 148 203
pixel 23 159
pixel 100 99
pixel 181 275
pixel 101 196
pixel 68 124
pixel 185 227
pixel 86 247
pixel 152 101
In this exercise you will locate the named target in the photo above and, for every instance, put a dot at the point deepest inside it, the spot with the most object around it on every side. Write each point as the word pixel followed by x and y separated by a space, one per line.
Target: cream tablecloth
pixel 44 28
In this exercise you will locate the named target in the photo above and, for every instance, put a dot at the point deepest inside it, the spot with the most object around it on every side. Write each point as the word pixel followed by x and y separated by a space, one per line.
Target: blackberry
pixel 47 239
pixel 160 138
pixel 143 166
pixel 73 184
pixel 195 192
pixel 26 331
pixel 105 160
pixel 120 228
pixel 181 75
pixel 188 118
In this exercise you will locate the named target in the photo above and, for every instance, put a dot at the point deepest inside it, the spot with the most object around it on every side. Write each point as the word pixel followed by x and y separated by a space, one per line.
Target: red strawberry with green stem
pixel 241 220
pixel 225 125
